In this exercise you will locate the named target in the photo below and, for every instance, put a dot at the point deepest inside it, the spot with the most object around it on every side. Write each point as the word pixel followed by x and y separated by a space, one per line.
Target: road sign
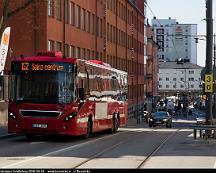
pixel 209 83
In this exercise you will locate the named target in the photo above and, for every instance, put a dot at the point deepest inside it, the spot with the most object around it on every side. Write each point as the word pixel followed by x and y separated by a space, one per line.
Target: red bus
pixel 54 95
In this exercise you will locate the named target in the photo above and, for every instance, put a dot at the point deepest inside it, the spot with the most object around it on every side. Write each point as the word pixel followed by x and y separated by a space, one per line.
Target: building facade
pixel 177 78
pixel 175 40
pixel 151 68
pixel 107 30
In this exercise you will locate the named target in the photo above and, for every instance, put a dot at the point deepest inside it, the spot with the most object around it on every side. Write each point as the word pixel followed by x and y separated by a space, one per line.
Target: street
pixel 135 146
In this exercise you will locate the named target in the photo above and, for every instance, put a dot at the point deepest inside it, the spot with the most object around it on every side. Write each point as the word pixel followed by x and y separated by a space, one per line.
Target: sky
pixel 184 11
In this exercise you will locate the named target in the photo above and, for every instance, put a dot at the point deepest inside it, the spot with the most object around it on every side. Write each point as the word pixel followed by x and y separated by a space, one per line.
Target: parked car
pixel 160 118
pixel 201 118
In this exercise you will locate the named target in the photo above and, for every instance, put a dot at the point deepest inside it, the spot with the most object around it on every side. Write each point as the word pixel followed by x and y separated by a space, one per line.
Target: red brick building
pixel 108 30
pixel 151 64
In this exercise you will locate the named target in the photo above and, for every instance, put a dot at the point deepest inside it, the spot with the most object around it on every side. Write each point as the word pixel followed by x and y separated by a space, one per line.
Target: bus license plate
pixel 43 126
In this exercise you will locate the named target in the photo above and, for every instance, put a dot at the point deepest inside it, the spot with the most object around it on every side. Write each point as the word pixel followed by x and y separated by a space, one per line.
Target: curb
pixel 8 136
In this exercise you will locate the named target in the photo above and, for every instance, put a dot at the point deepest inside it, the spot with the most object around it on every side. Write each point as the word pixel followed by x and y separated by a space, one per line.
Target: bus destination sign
pixel 26 66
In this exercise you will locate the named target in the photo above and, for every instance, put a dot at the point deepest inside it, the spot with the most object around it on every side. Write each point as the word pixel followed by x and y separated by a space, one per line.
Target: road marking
pixel 191 135
pixel 63 149
pixel 33 143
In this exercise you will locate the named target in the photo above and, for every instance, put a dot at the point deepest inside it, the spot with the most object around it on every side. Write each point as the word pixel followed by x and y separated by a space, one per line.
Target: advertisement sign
pixel 4 48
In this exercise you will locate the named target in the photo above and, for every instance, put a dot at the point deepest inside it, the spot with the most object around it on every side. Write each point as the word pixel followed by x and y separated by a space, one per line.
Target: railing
pixel 210 131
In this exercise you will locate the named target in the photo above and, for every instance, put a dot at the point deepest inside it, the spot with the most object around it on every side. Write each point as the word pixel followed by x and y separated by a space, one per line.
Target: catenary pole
pixel 209 56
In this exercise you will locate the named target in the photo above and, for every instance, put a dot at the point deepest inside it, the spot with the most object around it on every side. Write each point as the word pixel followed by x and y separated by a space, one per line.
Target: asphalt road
pixel 135 146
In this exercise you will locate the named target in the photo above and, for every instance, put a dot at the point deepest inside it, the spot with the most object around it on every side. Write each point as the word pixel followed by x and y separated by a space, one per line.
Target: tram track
pixel 120 139
pixel 97 155
pixel 156 149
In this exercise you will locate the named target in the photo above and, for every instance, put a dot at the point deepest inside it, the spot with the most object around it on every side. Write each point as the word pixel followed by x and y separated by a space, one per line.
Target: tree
pixel 8 14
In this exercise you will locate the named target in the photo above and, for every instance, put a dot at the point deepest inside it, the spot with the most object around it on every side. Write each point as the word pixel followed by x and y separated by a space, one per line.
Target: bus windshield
pixel 44 86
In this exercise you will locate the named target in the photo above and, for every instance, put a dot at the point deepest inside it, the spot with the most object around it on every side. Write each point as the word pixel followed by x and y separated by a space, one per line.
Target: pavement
pixel 4 132
pixel 180 151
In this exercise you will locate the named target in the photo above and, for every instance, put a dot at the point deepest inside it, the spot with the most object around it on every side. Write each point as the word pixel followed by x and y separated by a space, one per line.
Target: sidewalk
pixel 3 131
pixel 132 122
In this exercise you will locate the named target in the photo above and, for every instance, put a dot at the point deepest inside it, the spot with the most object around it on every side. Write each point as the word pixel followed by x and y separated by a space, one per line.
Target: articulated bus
pixel 54 95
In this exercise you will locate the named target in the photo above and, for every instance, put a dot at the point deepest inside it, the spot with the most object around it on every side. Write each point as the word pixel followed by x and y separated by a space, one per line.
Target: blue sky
pixel 185 11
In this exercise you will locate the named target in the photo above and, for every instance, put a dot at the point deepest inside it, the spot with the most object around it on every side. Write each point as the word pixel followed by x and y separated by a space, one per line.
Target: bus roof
pixel 105 66
pixel 46 59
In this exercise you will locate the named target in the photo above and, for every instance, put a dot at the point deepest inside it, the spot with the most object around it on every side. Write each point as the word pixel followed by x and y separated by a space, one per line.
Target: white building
pixel 179 78
pixel 176 40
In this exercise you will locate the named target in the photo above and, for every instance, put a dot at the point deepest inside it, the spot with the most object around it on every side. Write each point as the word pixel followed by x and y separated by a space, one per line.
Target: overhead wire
pixel 176 52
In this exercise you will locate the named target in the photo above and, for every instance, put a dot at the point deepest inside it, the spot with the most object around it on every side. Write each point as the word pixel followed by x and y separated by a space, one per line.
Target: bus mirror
pixel 81 93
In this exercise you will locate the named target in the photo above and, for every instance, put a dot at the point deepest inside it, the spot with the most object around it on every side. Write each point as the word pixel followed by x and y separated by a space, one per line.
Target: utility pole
pixel 152 61
pixel 209 55
pixel 214 101
pixel 64 32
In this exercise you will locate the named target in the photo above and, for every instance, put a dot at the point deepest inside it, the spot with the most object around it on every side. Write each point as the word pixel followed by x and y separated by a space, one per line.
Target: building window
pixel 78 52
pixel 101 24
pixel 66 50
pixel 83 53
pixel 191 79
pixel 88 19
pixel 160 79
pixel 192 86
pixel 191 72
pixel 174 79
pixel 58 9
pixel 50 8
pixel 50 45
pixel 58 46
pixel 88 54
pixel 83 19
pixel 93 24
pixel 160 86
pixel 72 10
pixel 78 16
pixel 182 79
pixel 182 86
pixel 167 86
pixel 167 79
pixel 160 31
pixel 66 11
pixel 72 49
pixel 93 55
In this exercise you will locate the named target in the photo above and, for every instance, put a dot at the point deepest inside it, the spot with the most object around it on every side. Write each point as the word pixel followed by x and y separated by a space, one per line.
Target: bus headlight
pixel 12 115
pixel 71 116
